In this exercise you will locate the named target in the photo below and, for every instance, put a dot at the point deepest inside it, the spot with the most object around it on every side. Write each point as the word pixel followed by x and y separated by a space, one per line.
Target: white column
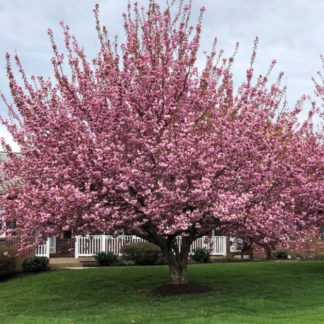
pixel 103 243
pixel 76 247
pixel 47 247
pixel 224 245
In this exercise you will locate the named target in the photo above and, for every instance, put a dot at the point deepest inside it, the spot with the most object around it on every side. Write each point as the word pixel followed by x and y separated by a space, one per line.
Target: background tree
pixel 141 140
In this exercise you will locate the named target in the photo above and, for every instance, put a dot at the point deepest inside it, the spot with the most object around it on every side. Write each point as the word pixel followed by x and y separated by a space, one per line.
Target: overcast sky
pixel 291 31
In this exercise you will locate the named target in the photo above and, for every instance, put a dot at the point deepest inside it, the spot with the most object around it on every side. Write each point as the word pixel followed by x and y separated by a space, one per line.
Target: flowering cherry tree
pixel 142 140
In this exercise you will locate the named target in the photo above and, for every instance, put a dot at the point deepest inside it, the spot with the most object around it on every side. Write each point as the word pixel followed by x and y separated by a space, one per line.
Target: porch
pixel 88 246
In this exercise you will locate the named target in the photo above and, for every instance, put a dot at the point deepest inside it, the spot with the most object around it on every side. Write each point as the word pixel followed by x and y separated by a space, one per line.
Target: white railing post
pixel 224 245
pixel 76 247
pixel 103 243
pixel 47 248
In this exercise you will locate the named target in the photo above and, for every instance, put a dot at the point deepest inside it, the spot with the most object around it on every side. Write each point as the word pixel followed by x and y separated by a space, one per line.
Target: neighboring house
pixel 70 246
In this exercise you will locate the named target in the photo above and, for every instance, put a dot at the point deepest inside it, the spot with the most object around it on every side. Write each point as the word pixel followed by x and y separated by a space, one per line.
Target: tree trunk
pixel 178 270
pixel 177 257
pixel 177 261
pixel 268 253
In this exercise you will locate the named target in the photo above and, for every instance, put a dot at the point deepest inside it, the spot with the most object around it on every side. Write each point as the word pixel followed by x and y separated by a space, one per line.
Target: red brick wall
pixel 13 245
pixel 309 248
pixel 64 248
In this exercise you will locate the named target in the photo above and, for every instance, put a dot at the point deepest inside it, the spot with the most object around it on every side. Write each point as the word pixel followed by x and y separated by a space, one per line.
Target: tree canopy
pixel 142 140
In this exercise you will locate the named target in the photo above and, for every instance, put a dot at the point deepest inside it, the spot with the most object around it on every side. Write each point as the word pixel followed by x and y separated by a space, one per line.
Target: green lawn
pixel 256 292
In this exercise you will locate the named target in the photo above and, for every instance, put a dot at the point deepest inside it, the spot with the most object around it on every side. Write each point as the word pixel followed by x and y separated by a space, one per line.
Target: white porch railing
pixel 43 250
pixel 46 248
pixel 89 246
pixel 216 244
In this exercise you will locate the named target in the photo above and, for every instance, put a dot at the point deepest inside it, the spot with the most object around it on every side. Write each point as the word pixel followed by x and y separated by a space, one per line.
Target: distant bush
pixel 141 253
pixel 201 255
pixel 8 261
pixel 35 264
pixel 319 257
pixel 126 263
pixel 280 254
pixel 106 258
pixel 298 256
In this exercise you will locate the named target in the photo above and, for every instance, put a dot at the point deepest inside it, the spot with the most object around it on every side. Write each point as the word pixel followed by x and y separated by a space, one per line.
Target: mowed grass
pixel 253 292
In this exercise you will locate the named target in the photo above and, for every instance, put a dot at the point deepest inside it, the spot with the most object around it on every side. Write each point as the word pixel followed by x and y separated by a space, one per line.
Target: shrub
pixel 298 256
pixel 8 261
pixel 142 253
pixel 126 263
pixel 106 258
pixel 201 255
pixel 319 257
pixel 35 264
pixel 280 254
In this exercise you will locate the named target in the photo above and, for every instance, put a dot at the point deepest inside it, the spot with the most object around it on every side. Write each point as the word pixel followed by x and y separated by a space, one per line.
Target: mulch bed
pixel 12 276
pixel 188 288
pixel 18 275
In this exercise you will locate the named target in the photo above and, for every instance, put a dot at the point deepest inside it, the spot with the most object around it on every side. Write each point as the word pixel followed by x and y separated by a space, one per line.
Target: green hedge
pixel 201 255
pixel 142 253
pixel 35 264
pixel 280 254
pixel 106 258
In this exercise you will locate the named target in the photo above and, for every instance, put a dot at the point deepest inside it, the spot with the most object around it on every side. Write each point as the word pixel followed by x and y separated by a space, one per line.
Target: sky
pixel 290 31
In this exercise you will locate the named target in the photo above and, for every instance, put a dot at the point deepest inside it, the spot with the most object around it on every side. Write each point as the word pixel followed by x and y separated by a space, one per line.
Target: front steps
pixel 61 263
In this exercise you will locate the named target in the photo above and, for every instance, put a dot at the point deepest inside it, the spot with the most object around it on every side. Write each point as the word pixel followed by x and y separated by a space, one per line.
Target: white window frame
pixel 3 235
pixel 235 242
pixel 52 244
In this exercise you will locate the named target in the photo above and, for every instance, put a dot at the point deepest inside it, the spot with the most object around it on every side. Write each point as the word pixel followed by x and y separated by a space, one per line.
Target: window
pixel 1 225
pixel 67 234
pixel 236 244
pixel 52 244
pixel 322 232
pixel 12 225
pixel 216 233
